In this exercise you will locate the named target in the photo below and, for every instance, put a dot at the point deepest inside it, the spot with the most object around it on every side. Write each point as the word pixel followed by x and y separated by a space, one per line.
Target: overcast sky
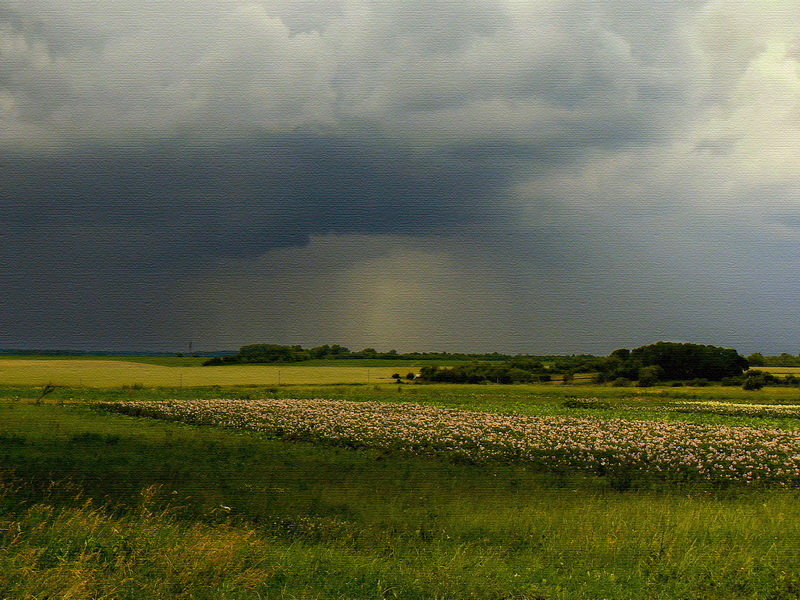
pixel 535 176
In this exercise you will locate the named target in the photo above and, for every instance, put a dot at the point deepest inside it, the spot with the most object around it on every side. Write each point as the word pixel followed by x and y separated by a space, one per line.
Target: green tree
pixel 649 376
pixel 621 354
pixel 689 361
pixel 271 353
pixel 755 380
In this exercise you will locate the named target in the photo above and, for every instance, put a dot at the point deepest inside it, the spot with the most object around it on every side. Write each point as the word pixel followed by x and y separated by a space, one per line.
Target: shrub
pixel 133 386
pixel 753 383
pixel 755 380
pixel 94 438
pixel 699 382
pixel 585 403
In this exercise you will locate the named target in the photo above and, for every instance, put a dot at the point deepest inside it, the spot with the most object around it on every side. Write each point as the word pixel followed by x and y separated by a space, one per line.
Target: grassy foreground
pixel 99 505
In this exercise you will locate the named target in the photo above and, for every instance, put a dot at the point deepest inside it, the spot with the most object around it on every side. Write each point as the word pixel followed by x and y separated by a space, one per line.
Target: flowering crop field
pixel 789 411
pixel 614 447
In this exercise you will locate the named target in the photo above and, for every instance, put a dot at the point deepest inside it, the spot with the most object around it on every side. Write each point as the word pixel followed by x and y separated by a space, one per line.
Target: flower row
pixel 604 446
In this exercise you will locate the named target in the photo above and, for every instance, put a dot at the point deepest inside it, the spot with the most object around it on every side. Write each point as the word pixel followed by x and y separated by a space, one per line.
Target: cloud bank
pixel 547 176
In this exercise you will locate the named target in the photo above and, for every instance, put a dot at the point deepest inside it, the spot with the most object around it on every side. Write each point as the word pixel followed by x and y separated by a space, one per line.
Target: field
pixel 114 373
pixel 780 370
pixel 405 492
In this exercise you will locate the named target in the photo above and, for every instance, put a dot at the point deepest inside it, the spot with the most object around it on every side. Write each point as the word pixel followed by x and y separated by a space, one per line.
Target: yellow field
pixel 779 370
pixel 104 373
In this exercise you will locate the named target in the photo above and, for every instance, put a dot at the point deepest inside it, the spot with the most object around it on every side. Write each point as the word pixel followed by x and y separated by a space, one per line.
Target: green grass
pixel 96 505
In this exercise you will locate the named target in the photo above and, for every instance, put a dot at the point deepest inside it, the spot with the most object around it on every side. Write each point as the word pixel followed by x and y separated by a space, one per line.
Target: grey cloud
pixel 221 68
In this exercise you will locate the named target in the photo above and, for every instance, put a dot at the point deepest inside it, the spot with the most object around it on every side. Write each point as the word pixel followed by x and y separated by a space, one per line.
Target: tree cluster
pixel 481 373
pixel 672 361
pixel 518 369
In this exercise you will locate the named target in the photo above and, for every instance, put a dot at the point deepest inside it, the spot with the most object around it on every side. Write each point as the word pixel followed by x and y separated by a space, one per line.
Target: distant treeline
pixel 540 366
pixel 781 360
pixel 277 353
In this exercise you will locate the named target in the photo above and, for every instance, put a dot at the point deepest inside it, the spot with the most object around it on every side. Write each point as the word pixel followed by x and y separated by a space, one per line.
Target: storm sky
pixel 533 176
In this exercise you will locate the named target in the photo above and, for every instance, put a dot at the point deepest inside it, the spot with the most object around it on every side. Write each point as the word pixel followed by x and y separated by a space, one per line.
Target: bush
pixel 90 438
pixel 585 403
pixel 621 382
pixel 752 384
pixel 755 380
pixel 699 382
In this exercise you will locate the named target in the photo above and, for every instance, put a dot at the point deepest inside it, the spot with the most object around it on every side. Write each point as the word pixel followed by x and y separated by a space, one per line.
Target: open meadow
pixel 780 370
pixel 376 491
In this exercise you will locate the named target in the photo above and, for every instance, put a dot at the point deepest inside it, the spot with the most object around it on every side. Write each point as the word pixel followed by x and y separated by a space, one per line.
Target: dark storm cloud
pixel 102 237
pixel 181 204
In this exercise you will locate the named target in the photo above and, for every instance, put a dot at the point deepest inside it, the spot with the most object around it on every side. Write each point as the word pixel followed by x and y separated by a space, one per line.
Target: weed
pixel 585 403
pixel 91 438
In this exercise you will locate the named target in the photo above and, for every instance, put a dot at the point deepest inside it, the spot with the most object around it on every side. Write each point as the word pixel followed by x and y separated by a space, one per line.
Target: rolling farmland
pixel 203 488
